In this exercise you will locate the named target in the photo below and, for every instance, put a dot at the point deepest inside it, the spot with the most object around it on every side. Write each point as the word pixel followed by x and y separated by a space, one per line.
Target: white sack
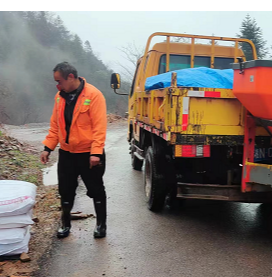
pixel 16 197
pixel 16 248
pixel 16 221
pixel 15 235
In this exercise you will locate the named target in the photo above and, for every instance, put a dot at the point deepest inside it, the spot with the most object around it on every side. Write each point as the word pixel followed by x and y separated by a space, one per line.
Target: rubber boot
pixel 64 230
pixel 101 215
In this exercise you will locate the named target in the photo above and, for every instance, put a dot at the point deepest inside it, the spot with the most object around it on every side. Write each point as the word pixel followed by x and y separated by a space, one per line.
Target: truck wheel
pixel 135 162
pixel 154 182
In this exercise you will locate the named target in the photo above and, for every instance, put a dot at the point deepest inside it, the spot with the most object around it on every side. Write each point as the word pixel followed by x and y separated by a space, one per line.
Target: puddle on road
pixel 50 176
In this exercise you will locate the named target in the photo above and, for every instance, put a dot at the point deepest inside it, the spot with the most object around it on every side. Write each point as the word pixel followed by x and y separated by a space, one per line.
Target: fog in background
pixel 31 44
pixel 108 32
pixel 97 44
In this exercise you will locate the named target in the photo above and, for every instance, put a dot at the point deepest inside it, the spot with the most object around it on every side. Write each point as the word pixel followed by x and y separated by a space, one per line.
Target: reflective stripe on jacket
pixel 89 124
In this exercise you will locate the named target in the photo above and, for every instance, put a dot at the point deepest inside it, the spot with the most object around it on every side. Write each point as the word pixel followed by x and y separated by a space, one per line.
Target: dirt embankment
pixel 20 161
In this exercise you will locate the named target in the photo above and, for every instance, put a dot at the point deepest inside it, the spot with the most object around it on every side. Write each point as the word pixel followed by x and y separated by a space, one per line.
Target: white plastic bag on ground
pixel 16 197
pixel 16 248
pixel 16 221
pixel 15 235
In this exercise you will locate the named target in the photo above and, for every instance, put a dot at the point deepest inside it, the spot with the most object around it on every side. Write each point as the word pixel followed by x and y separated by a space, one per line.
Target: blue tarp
pixel 193 77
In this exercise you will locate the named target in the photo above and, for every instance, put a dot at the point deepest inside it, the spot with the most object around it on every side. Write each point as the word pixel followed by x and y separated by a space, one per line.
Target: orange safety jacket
pixel 88 127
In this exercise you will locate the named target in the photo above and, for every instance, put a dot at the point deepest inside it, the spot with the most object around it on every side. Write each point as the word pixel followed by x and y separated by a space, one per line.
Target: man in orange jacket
pixel 78 123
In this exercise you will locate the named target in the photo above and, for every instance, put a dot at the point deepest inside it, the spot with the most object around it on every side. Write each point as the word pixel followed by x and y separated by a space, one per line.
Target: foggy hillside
pixel 31 44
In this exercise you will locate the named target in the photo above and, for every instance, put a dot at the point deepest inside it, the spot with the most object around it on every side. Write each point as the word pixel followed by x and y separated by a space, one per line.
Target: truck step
pixel 138 156
pixel 221 192
pixel 204 197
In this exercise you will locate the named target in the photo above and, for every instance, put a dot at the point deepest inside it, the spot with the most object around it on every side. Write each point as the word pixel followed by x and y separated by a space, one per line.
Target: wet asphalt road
pixel 202 238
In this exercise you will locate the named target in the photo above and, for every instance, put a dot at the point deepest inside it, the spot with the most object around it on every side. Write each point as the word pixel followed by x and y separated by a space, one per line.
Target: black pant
pixel 70 166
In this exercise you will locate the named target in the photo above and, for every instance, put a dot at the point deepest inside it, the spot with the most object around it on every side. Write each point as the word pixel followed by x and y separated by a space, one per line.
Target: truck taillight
pixel 188 151
pixel 191 151
pixel 206 151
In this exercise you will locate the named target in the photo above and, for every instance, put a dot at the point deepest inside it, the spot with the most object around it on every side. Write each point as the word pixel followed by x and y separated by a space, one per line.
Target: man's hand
pixel 45 157
pixel 94 161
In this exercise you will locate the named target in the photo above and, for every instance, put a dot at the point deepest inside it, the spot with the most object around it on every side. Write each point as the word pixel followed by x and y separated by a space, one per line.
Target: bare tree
pixel 132 54
pixel 215 42
pixel 188 40
pixel 181 40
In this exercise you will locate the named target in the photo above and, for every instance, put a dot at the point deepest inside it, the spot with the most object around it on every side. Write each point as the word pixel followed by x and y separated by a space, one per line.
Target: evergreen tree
pixel 250 30
pixel 87 47
pixel 59 33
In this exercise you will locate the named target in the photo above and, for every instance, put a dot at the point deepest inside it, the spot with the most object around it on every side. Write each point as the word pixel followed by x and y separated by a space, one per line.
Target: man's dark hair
pixel 65 69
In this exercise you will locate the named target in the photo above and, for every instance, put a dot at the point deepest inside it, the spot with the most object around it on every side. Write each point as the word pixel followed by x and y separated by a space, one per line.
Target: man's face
pixel 65 85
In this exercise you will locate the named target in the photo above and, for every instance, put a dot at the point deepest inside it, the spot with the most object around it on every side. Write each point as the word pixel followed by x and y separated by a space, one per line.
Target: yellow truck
pixel 191 139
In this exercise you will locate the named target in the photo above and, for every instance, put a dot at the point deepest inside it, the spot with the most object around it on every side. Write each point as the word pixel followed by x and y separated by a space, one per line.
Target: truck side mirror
pixel 115 81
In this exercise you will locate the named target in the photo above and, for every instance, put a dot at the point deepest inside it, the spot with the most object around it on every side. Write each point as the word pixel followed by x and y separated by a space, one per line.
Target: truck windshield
pixel 184 61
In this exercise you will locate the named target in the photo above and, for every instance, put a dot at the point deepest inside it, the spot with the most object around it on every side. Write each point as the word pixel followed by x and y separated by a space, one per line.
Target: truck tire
pixel 135 162
pixel 154 182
